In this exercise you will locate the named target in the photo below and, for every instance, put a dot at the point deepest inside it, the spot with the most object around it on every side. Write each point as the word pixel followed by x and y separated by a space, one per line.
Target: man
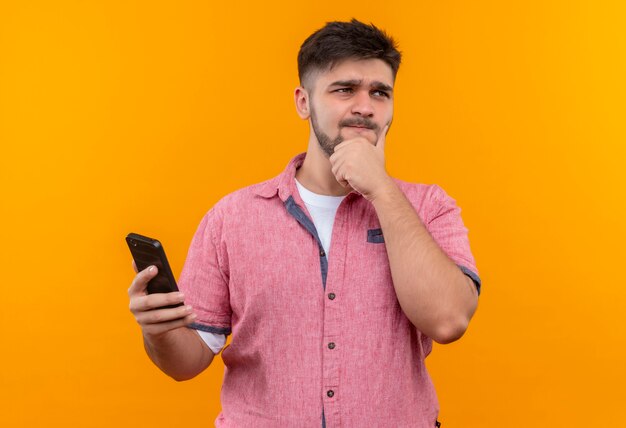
pixel 333 277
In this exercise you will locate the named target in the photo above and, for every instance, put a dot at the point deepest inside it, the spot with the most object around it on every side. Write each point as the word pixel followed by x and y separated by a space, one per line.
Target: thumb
pixel 380 144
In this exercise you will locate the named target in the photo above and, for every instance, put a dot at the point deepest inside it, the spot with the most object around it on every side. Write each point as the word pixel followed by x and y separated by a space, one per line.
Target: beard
pixel 326 143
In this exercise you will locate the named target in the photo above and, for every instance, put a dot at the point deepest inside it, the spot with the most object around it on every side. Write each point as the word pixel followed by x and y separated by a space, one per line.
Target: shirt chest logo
pixel 375 236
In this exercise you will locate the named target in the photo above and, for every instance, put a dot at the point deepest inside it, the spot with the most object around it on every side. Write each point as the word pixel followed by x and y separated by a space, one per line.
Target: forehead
pixel 364 70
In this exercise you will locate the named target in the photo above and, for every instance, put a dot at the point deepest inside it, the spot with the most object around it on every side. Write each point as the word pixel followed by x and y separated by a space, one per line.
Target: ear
pixel 301 97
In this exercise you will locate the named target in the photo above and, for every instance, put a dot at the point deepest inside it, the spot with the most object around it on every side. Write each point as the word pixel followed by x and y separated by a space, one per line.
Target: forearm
pixel 433 292
pixel 179 353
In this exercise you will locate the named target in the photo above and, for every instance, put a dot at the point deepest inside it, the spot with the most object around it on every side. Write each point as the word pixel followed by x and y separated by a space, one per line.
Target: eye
pixel 344 90
pixel 379 93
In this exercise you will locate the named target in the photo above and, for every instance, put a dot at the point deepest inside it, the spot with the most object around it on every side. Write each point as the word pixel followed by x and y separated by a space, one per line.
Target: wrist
pixel 386 189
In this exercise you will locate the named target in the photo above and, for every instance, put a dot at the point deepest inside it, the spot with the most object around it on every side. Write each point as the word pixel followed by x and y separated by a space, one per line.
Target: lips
pixel 359 128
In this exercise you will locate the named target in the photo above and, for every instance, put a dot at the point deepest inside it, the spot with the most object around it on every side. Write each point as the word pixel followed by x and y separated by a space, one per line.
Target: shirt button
pixel 330 393
pixel 322 253
pixel 331 345
pixel 331 296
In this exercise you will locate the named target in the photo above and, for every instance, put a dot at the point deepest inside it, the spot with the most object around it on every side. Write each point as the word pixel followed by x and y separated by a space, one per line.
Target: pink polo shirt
pixel 314 342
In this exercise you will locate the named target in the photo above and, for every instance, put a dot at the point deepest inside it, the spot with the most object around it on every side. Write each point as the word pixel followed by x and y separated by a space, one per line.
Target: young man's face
pixel 354 99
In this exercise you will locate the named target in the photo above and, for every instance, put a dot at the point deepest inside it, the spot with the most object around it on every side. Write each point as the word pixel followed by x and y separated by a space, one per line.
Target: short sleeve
pixel 447 229
pixel 204 280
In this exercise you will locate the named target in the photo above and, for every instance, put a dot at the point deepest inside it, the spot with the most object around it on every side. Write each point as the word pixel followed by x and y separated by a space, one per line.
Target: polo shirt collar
pixel 280 183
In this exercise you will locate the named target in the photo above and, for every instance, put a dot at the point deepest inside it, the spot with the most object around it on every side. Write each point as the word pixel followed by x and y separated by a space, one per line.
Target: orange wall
pixel 138 116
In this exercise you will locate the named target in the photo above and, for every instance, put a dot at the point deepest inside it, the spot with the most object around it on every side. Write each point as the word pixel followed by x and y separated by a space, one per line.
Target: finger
pixel 156 300
pixel 346 143
pixel 140 283
pixel 156 329
pixel 341 176
pixel 337 164
pixel 337 167
pixel 335 157
pixel 157 316
pixel 340 146
pixel 135 266
pixel 380 144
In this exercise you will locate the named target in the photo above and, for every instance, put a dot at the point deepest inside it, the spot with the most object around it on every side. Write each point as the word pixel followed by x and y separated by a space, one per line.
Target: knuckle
pixel 157 317
pixel 138 319
pixel 137 304
pixel 135 307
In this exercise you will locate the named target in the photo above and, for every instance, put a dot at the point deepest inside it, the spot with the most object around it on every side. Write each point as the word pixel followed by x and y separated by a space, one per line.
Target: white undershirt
pixel 322 209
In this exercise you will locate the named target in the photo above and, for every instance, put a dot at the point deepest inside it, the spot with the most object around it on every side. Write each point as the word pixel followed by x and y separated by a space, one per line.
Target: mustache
pixel 362 122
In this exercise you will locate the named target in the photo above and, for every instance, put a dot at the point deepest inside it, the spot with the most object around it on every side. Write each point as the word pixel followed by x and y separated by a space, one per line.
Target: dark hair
pixel 337 41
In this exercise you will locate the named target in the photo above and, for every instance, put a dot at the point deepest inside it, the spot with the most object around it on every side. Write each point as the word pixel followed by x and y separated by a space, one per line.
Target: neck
pixel 316 175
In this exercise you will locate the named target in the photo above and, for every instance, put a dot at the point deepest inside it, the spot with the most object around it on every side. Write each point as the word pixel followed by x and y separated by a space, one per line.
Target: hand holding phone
pixel 154 297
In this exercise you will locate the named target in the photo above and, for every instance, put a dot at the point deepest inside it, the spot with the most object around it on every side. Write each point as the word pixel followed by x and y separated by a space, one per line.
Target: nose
pixel 363 104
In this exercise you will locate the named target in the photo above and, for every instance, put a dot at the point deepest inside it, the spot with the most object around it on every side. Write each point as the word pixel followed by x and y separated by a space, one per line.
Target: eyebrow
pixel 356 82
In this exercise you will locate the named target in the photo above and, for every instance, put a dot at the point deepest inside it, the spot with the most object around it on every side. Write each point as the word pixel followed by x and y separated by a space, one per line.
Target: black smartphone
pixel 147 252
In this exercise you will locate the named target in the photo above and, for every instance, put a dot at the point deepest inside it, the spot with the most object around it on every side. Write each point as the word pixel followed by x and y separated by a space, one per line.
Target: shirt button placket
pixel 334 324
pixel 331 364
